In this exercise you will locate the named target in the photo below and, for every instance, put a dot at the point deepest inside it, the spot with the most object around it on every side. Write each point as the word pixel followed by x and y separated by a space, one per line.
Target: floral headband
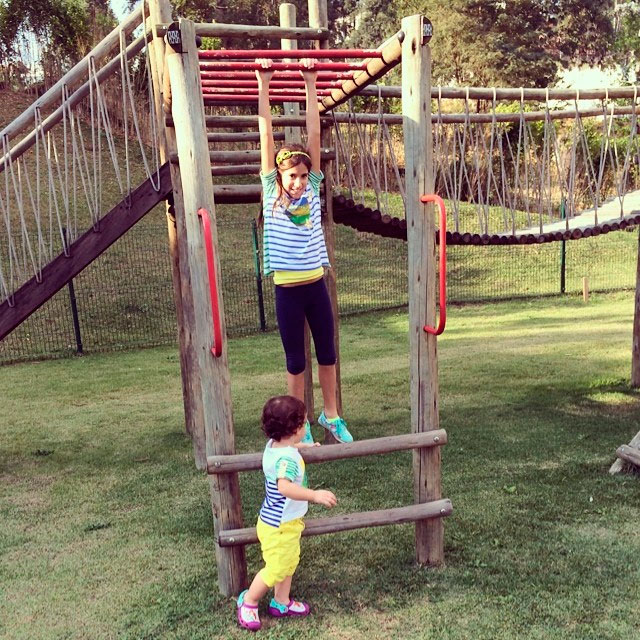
pixel 285 154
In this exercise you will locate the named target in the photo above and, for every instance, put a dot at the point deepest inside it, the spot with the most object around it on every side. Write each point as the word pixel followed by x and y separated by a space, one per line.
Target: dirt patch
pixel 13 104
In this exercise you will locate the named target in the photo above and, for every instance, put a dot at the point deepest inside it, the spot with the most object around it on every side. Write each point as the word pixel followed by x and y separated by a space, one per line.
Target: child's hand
pixel 306 445
pixel 325 498
pixel 309 73
pixel 265 73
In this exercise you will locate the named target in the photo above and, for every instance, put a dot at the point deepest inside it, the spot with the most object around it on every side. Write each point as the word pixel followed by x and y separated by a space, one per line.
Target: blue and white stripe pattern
pixel 277 463
pixel 289 246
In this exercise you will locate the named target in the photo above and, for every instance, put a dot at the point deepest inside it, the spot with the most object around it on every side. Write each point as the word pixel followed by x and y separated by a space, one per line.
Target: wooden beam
pixel 314 455
pixel 214 390
pixel 245 155
pixel 416 109
pixel 160 10
pixel 248 136
pixel 376 68
pixel 618 465
pixel 348 521
pixel 629 454
pixel 235 170
pixel 237 193
pixel 251 122
pixel 82 252
pixel 245 31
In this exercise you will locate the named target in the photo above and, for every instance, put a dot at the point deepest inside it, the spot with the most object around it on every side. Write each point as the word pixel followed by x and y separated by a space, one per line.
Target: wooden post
pixel 288 19
pixel 635 348
pixel 318 19
pixel 213 389
pixel 585 289
pixel 416 110
pixel 160 12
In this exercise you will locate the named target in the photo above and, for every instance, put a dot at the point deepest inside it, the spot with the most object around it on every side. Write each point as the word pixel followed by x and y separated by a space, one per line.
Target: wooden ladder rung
pixel 348 521
pixel 388 444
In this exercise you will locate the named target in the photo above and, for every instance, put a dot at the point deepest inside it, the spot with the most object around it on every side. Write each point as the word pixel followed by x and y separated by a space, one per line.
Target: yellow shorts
pixel 280 549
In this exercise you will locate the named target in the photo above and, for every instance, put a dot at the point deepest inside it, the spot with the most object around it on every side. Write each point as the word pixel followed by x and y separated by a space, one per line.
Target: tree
pixel 498 42
pixel 65 30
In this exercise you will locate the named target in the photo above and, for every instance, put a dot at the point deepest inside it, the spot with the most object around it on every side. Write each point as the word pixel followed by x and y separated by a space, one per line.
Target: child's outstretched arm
pixel 320 496
pixel 313 114
pixel 267 146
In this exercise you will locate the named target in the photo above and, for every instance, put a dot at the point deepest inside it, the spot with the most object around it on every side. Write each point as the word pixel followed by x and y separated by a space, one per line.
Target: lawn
pixel 107 526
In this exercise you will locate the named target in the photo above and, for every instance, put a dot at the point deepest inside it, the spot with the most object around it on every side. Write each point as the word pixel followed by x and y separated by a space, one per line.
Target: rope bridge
pixel 511 175
pixel 85 146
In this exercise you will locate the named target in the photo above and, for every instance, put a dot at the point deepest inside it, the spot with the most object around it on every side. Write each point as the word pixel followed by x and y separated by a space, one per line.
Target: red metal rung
pixel 254 91
pixel 277 84
pixel 219 97
pixel 436 331
pixel 278 54
pixel 278 75
pixel 281 66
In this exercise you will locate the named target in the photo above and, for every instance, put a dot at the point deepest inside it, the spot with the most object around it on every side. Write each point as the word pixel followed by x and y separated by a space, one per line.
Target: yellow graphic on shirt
pixel 300 214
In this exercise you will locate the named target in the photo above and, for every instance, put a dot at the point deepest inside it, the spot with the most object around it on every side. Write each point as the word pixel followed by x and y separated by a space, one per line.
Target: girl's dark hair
pixel 282 416
pixel 294 160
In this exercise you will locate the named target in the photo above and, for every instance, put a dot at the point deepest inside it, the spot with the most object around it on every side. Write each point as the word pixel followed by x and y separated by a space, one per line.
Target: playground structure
pixel 183 82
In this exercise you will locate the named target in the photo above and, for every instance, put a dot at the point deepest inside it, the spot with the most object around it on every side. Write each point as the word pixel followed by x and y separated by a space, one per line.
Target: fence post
pixel 256 264
pixel 74 304
pixel 563 252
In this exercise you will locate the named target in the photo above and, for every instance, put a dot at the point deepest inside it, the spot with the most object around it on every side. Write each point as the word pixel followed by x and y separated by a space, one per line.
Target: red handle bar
pixel 443 265
pixel 216 350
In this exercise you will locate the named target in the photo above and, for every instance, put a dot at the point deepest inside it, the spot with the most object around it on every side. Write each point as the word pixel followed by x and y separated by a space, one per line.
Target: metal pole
pixel 256 264
pixel 74 306
pixel 563 253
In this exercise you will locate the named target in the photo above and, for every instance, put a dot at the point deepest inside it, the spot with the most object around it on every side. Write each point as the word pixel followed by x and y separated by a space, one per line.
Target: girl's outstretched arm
pixel 313 115
pixel 267 146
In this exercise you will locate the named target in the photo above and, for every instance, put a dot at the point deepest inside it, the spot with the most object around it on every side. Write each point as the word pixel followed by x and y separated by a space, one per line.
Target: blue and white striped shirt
pixel 291 246
pixel 277 463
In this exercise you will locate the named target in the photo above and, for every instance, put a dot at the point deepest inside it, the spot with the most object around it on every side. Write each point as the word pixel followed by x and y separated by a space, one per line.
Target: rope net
pixel 507 170
pixel 80 155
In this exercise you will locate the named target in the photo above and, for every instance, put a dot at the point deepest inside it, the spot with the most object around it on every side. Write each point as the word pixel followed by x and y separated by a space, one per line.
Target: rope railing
pixel 504 174
pixel 76 161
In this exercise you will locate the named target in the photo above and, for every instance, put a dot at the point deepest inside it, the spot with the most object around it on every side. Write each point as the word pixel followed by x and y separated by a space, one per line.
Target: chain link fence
pixel 124 299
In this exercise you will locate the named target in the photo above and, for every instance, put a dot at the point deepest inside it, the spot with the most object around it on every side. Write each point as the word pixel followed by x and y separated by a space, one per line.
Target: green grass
pixel 106 526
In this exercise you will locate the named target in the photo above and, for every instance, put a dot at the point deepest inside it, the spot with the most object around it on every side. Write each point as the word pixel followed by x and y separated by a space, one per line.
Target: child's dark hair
pixel 282 416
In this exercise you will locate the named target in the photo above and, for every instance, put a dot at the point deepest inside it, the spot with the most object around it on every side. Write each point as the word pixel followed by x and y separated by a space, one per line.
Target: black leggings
pixel 293 305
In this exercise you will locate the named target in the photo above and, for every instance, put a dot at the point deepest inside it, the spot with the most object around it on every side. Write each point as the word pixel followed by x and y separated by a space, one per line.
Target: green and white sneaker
pixel 337 427
pixel 308 438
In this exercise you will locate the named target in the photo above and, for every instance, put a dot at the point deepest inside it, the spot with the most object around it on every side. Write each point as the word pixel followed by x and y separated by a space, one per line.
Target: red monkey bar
pixel 216 350
pixel 223 65
pixel 443 264
pixel 273 54
pixel 278 75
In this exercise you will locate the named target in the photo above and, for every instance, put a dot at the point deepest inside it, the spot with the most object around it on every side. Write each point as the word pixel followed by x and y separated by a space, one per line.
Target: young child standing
pixel 280 521
pixel 295 251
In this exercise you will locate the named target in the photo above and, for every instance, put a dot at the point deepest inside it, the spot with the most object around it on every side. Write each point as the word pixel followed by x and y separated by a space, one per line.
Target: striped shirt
pixel 277 463
pixel 293 238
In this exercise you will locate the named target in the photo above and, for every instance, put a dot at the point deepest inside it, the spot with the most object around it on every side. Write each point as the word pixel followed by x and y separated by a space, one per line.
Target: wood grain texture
pixel 314 455
pixel 426 511
pixel 416 110
pixel 214 378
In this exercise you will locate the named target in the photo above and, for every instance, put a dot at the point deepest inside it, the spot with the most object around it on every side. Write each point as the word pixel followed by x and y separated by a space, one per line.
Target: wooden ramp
pixel 55 275
pixel 613 210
